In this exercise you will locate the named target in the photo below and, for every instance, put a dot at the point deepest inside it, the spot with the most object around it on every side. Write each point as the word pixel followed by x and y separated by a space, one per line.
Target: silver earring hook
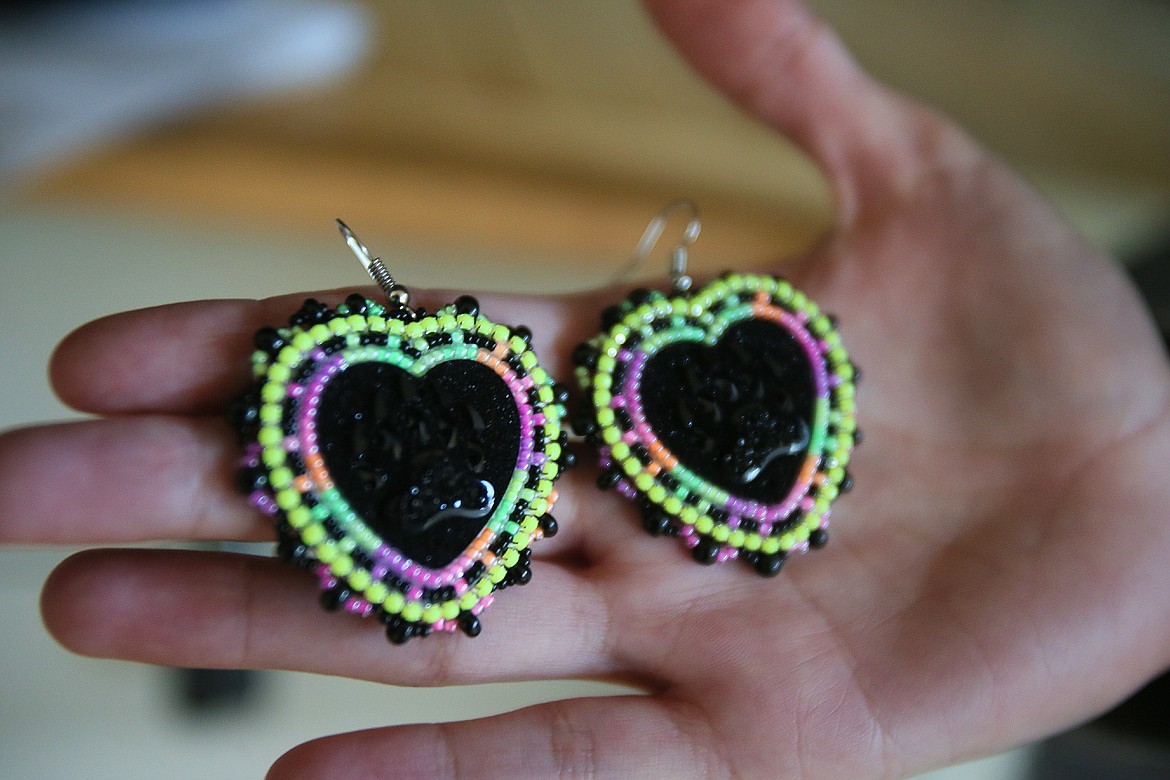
pixel 395 292
pixel 678 256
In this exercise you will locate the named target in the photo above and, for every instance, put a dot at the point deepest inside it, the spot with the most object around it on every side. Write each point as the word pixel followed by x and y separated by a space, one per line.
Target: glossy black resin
pixel 738 414
pixel 423 461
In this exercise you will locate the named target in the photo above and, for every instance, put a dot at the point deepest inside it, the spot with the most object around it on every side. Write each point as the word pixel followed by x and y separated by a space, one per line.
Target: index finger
pixel 192 358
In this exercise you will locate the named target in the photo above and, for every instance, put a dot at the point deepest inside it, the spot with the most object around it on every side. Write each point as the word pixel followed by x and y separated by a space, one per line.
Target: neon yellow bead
pixel 496 574
pixel 511 558
pixel 672 505
pixel 299 516
pixel 468 600
pixel 412 611
pixel 342 566
pixel 286 499
pixel 394 602
pixel 657 494
pixel 720 533
pixel 483 587
pixel 449 610
pixel 704 524
pixel 752 542
pixel 359 579
pixel 432 614
pixel 770 546
pixel 376 593
pixel 281 478
pixel 313 535
pixel 280 373
pixel 327 552
pixel 737 538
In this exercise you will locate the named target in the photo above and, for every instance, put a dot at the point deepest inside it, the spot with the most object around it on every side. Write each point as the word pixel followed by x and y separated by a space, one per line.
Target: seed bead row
pixel 649 325
pixel 300 489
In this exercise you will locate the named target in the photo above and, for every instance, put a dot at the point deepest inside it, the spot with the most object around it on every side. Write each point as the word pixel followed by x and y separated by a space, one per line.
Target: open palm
pixel 997 574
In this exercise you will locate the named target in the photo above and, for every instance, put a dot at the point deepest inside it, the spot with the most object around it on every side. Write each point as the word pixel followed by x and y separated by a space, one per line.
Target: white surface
pixel 62 716
pixel 74 76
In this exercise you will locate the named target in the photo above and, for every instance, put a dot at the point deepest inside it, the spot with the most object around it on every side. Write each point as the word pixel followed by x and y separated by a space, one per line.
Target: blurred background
pixel 178 149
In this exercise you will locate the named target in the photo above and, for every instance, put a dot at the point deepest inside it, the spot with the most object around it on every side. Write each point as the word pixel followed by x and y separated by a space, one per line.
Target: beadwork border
pixel 326 535
pixel 699 512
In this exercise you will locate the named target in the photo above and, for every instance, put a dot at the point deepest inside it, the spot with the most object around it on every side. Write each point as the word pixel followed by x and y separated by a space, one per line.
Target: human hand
pixel 995 576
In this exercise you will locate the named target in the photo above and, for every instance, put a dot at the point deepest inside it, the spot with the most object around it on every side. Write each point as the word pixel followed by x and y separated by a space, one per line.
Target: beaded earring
pixel 407 458
pixel 726 414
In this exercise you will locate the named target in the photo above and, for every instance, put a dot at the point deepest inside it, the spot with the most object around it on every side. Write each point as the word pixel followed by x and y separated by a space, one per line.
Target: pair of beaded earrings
pixel 409 458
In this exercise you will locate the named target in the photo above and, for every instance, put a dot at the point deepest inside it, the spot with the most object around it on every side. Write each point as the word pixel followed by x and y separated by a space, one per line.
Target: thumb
pixel 786 67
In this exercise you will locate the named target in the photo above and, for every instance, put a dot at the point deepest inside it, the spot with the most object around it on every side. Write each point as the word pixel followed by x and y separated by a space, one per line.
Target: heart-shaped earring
pixel 407 458
pixel 726 414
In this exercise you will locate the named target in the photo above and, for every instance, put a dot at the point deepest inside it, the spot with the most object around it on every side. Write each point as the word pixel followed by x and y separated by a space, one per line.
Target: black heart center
pixel 738 414
pixel 423 461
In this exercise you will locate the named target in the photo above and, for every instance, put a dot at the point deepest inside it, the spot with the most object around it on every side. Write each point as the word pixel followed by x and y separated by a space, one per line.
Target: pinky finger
pixel 618 736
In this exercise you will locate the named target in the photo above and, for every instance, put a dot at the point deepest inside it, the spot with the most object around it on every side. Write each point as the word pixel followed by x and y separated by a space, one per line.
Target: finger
pixel 144 478
pixel 193 357
pixel 123 480
pixel 779 61
pixel 628 736
pixel 214 610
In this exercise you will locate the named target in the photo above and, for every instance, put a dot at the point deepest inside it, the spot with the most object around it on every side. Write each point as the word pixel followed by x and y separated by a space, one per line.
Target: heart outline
pixel 284 449
pixel 649 322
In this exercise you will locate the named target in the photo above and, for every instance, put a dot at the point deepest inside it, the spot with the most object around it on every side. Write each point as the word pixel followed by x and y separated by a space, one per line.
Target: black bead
pixel 585 354
pixel 522 576
pixel 469 624
pixel 398 632
pixel 584 423
pixel 611 316
pixel 549 525
pixel 312 311
pixel 524 332
pixel 818 538
pixel 248 480
pixel 244 416
pixel 568 460
pixel 333 598
pixel 640 295
pixel 769 565
pixel 833 321
pixel 466 304
pixel 292 552
pixel 608 478
pixel 847 483
pixel 268 340
pixel 560 393
pixel 655 521
pixel 858 436
pixel 705 551
pixel 357 303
